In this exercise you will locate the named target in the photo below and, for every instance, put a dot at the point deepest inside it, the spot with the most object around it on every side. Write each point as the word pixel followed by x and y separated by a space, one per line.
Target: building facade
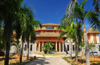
pixel 49 33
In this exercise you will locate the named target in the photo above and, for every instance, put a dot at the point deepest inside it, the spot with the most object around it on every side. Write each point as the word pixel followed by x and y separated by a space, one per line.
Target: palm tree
pixel 81 14
pixel 30 24
pixel 22 21
pixel 20 27
pixel 75 33
pixel 96 5
pixel 67 18
pixel 8 12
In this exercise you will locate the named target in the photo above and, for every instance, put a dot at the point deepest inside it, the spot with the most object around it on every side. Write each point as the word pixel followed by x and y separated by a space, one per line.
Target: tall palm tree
pixel 20 27
pixel 72 31
pixel 81 14
pixel 8 11
pixel 67 18
pixel 30 24
pixel 22 24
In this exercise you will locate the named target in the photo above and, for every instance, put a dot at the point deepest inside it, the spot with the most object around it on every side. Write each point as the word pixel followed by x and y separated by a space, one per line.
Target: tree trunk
pixel 7 53
pixel 70 48
pixel 17 45
pixel 28 50
pixel 7 37
pixel 76 50
pixel 86 46
pixel 21 49
pixel 76 53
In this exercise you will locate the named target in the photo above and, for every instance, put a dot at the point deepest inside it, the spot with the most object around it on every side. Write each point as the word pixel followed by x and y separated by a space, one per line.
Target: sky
pixel 52 11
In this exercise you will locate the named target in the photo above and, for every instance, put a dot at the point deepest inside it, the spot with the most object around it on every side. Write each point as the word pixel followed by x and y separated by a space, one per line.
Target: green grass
pixel 39 53
pixel 66 58
pixel 50 53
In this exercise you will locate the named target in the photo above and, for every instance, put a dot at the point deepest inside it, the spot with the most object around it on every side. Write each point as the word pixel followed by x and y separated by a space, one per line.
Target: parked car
pixel 93 53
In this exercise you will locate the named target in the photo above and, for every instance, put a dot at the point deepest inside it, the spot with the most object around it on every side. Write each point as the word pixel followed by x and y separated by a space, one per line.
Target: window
pixel 95 41
pixel 37 33
pixel 67 47
pixel 25 47
pixel 73 47
pixel 49 27
pixel 30 47
pixel 99 47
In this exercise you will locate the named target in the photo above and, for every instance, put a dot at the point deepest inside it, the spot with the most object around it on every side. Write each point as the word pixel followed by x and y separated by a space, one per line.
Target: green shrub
pixel 71 62
pixel 31 58
pixel 48 47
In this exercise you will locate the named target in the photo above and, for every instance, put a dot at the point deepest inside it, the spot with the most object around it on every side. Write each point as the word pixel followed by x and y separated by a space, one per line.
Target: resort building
pixel 49 33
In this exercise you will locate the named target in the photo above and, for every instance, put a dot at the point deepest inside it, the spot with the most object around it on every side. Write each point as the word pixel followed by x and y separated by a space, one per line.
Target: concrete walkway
pixel 48 61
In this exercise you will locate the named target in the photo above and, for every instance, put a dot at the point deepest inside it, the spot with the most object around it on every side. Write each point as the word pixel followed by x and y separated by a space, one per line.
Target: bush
pixel 48 47
pixel 71 62
pixel 31 58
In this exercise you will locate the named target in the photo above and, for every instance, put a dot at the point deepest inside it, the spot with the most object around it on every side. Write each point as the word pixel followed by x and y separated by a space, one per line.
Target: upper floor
pixel 48 30
pixel 93 35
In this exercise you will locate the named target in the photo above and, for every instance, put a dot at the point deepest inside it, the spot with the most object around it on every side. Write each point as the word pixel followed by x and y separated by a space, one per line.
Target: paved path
pixel 48 61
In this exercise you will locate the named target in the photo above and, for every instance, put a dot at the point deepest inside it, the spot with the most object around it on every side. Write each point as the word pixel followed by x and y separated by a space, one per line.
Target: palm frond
pixel 61 35
pixel 93 19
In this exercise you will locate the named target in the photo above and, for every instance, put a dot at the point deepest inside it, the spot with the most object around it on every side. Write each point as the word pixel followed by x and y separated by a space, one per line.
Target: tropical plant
pixel 2 45
pixel 7 15
pixel 29 32
pixel 73 31
pixel 92 16
pixel 96 5
pixel 67 20
pixel 90 46
pixel 14 43
pixel 48 46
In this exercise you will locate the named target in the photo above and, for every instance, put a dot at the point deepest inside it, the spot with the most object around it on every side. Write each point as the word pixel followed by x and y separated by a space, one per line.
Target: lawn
pixel 60 53
pixel 14 60
pixel 93 60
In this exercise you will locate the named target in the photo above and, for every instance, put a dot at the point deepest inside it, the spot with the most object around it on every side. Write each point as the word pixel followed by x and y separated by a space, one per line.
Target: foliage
pixel 48 46
pixel 2 45
pixel 90 46
pixel 50 53
pixel 96 5
pixel 14 43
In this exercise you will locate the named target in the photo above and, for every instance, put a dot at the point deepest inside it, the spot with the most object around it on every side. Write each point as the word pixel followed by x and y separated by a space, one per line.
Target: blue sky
pixel 52 11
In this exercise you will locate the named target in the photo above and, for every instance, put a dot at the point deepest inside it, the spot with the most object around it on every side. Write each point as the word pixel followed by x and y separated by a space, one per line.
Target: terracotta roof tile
pixel 93 30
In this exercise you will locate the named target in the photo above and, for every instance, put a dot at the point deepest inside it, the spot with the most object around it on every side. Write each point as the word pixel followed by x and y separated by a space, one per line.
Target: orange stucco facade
pixel 49 33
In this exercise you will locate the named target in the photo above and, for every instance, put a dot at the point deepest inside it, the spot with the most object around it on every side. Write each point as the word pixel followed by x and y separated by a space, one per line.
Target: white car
pixel 94 53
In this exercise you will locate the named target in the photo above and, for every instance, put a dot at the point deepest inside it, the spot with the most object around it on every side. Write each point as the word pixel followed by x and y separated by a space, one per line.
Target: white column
pixel 39 47
pixel 56 46
pixel 36 47
pixel 42 46
pixel 59 47
pixel 62 47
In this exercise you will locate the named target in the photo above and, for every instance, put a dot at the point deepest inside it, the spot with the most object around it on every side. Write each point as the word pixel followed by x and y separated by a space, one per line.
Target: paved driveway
pixel 48 61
